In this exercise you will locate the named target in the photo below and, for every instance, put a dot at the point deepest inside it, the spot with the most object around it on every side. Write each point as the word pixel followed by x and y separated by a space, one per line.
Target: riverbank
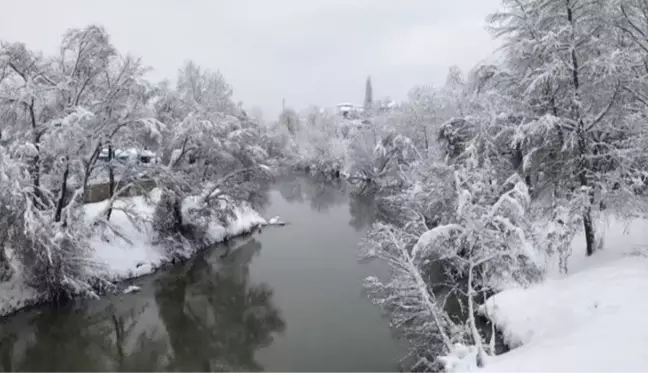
pixel 592 319
pixel 131 252
pixel 276 300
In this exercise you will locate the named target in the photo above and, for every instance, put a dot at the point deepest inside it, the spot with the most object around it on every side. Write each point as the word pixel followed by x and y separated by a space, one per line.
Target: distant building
pixel 350 111
pixel 129 155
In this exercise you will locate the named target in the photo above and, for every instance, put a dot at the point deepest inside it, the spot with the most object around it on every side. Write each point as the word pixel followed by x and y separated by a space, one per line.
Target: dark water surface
pixel 286 299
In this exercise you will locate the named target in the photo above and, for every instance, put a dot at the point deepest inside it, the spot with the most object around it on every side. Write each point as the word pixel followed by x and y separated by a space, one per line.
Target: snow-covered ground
pixel 593 319
pixel 117 259
pixel 14 295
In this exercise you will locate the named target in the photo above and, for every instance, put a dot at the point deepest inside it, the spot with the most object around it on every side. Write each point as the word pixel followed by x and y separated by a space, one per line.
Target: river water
pixel 286 299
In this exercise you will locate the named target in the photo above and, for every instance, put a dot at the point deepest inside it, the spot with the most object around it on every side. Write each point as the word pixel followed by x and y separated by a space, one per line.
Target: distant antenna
pixel 283 104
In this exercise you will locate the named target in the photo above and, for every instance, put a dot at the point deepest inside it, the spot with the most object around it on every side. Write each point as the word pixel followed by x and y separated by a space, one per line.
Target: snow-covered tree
pixel 86 115
pixel 578 124
pixel 205 90
pixel 212 160
pixel 407 299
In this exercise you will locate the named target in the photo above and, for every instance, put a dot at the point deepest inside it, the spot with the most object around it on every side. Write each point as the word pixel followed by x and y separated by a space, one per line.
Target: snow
pixel 460 359
pixel 14 295
pixel 117 259
pixel 131 289
pixel 276 221
pixel 593 319
pixel 246 220
pixel 442 232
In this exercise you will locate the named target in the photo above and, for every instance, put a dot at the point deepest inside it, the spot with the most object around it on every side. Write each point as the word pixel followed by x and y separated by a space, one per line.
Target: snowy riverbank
pixel 593 319
pixel 117 258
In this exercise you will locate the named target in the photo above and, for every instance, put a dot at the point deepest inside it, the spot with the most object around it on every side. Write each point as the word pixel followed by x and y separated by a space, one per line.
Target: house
pixel 129 155
pixel 350 111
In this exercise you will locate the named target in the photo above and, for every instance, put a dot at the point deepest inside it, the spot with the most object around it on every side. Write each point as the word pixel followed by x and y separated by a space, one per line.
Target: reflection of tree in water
pixel 321 192
pixel 66 333
pixel 291 189
pixel 362 208
pixel 151 351
pixel 214 317
pixel 75 338
pixel 7 341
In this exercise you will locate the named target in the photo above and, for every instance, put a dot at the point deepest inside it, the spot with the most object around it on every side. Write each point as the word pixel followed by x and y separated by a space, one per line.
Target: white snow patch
pixel 276 221
pixel 442 232
pixel 246 219
pixel 461 359
pixel 620 238
pixel 592 320
pixel 120 260
pixel 14 295
pixel 131 289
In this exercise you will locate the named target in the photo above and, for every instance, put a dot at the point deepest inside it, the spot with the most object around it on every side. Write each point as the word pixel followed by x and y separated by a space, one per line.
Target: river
pixel 285 299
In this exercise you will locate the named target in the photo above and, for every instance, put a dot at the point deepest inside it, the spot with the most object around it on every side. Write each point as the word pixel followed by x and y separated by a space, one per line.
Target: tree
pixel 65 120
pixel 212 160
pixel 204 89
pixel 412 307
pixel 578 82
pixel 290 119
pixel 482 236
pixel 368 99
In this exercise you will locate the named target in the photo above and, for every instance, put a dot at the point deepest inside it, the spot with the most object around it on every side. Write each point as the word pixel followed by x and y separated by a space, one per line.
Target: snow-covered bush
pixel 53 253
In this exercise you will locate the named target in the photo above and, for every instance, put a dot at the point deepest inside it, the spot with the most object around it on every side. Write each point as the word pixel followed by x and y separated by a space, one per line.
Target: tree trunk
pixel 590 236
pixel 111 180
pixel 61 200
pixel 35 175
pixel 89 166
pixel 583 163
pixel 177 214
pixel 477 339
pixel 35 166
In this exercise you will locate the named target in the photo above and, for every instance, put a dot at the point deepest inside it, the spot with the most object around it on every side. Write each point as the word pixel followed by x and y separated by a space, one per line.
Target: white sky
pixel 308 51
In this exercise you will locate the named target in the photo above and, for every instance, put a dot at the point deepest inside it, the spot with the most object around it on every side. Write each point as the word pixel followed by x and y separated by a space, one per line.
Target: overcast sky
pixel 308 51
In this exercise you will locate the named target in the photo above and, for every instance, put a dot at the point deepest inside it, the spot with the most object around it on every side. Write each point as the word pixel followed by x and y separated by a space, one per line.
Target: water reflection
pixel 205 316
pixel 212 314
pixel 362 208
pixel 223 319
pixel 322 193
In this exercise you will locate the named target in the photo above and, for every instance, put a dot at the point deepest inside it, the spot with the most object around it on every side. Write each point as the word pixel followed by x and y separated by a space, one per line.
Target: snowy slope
pixel 593 319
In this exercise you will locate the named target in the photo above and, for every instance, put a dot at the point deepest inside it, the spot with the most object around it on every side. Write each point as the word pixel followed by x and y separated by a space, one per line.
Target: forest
pixel 503 174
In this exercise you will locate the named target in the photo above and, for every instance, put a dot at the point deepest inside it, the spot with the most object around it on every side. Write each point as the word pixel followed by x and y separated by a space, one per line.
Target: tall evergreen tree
pixel 368 100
